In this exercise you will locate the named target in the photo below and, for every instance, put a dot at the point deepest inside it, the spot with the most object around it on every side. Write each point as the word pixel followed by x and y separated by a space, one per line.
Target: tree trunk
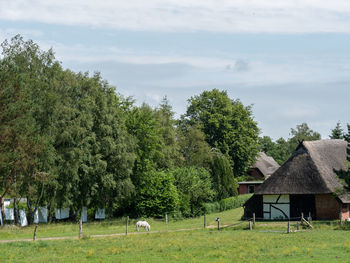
pixel 73 214
pixel 30 212
pixel 15 210
pixel 50 213
pixel 2 199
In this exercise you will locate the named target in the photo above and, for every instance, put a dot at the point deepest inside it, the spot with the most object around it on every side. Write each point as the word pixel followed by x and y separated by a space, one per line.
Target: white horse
pixel 143 224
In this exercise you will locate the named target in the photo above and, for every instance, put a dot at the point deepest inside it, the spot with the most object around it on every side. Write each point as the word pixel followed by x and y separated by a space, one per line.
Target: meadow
pixel 231 244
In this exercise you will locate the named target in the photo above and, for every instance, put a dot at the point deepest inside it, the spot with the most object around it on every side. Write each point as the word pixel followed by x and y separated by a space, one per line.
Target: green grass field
pixel 231 244
pixel 115 226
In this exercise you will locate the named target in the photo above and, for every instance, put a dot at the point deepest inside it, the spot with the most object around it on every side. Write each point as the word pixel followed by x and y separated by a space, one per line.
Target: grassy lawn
pixel 231 244
pixel 115 226
pixel 227 245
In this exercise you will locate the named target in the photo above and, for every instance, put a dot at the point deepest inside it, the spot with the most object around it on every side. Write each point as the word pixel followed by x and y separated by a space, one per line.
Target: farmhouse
pixel 305 183
pixel 261 170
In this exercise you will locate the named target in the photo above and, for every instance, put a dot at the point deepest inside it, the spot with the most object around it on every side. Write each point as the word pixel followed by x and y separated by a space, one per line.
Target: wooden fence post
pixel 288 227
pixel 297 225
pixel 253 218
pixel 250 225
pixel 302 217
pixel 127 225
pixel 205 221
pixel 218 224
pixel 34 235
pixel 340 217
pixel 166 222
pixel 81 228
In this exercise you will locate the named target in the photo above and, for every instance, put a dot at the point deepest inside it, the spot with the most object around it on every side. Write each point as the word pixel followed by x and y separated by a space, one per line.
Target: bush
pixel 194 188
pixel 226 204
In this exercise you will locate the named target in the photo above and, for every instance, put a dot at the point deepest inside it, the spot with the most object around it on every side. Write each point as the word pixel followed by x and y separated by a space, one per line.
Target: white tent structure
pixel 23 217
pixel 84 213
pixel 62 213
pixel 40 215
pixel 100 213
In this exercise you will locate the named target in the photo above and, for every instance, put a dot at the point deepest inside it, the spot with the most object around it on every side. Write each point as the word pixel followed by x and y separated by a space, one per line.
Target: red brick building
pixel 306 183
pixel 261 170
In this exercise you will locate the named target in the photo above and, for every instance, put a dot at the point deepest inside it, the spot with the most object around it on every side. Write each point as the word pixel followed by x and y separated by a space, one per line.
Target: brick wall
pixel 243 188
pixel 344 211
pixel 328 207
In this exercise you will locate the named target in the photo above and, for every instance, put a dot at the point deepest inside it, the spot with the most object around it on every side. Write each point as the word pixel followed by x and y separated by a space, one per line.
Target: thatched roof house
pixel 260 170
pixel 306 182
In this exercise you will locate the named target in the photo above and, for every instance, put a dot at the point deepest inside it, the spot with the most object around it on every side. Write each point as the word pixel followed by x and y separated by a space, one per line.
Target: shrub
pixel 226 204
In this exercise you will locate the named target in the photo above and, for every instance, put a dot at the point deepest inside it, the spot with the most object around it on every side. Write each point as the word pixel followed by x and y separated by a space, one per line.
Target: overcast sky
pixel 290 59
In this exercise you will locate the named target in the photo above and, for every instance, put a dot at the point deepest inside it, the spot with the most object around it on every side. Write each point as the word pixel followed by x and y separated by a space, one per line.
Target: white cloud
pixel 10 32
pixel 287 16
pixel 298 112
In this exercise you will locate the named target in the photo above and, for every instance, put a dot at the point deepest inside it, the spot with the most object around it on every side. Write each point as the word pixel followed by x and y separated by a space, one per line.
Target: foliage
pixel 282 149
pixel 26 102
pixel 63 136
pixel 302 132
pixel 224 182
pixel 166 126
pixel 279 150
pixel 344 174
pixel 194 188
pixel 226 204
pixel 195 150
pixel 337 132
pixel 227 124
pixel 157 195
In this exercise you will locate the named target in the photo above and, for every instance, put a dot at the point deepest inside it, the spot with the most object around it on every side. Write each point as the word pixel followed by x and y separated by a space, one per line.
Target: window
pixel 250 189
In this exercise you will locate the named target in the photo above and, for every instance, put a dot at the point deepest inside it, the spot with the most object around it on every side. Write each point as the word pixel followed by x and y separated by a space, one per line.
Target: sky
pixel 289 59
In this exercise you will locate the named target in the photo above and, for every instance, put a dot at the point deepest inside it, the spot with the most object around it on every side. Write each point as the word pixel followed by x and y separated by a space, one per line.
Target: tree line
pixel 70 140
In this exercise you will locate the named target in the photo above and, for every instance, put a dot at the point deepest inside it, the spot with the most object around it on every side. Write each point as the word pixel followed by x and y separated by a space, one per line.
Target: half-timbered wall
pixel 276 206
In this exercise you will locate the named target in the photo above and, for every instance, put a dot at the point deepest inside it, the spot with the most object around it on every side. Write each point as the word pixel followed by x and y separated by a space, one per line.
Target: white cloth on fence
pixel 62 213
pixel 84 214
pixel 40 215
pixel 9 214
pixel 100 213
pixel 36 217
pixel 23 217
pixel 43 214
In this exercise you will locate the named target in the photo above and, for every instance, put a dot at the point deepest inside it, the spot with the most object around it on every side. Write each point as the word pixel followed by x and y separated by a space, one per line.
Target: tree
pixel 344 174
pixel 337 132
pixel 194 188
pixel 195 150
pixel 347 135
pixel 224 183
pixel 282 151
pixel 142 124
pixel 95 152
pixel 227 124
pixel 266 144
pixel 157 195
pixel 279 150
pixel 302 132
pixel 166 126
pixel 26 98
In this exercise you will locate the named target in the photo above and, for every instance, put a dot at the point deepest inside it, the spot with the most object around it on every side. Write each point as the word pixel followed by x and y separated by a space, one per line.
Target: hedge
pixel 226 204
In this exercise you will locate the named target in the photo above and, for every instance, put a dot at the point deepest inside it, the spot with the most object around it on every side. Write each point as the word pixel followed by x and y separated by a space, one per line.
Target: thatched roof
pixel 309 170
pixel 266 164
